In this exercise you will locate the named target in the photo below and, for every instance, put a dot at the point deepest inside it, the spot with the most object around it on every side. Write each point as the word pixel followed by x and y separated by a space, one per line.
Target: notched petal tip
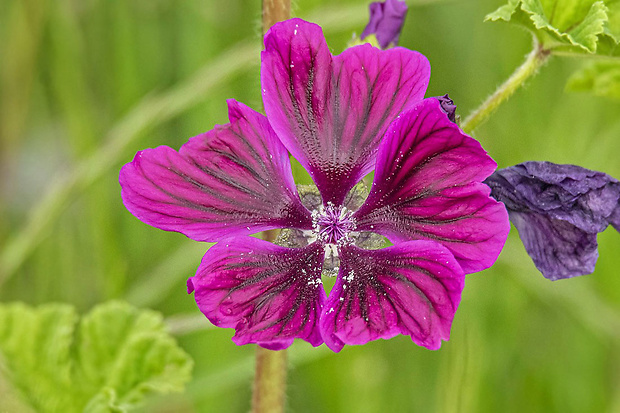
pixel 412 288
pixel 282 31
pixel 236 110
pixel 190 285
pixel 558 211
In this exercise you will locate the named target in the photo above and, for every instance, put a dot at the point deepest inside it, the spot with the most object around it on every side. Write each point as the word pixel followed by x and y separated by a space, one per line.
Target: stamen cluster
pixel 333 224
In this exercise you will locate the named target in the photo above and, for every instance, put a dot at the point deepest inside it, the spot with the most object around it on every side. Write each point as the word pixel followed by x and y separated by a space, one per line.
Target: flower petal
pixel 331 113
pixel 558 210
pixel 412 288
pixel 235 179
pixel 269 294
pixel 427 186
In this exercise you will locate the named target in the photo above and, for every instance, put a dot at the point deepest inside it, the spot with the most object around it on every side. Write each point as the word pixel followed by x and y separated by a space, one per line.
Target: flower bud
pixel 386 22
pixel 448 106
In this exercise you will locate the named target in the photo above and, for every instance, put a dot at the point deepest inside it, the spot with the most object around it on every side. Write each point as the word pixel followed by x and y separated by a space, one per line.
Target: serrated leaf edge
pixel 596 15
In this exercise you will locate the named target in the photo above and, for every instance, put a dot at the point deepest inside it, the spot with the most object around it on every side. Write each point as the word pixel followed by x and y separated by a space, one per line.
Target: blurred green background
pixel 84 84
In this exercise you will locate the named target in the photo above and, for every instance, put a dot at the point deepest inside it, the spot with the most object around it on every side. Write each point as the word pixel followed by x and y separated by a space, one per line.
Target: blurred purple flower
pixel 340 117
pixel 386 21
pixel 558 210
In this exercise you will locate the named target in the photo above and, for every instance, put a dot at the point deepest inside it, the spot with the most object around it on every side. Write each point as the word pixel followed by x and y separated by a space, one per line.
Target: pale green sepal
pixel 600 78
pixel 109 363
pixel 371 39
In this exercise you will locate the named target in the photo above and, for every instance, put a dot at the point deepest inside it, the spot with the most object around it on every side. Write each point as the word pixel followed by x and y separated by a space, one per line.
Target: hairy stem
pixel 270 376
pixel 275 11
pixel 269 381
pixel 532 63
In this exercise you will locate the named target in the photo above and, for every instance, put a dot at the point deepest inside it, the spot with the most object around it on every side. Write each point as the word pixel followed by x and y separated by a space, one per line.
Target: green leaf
pixel 567 26
pixel 114 358
pixel 601 78
pixel 36 347
pixel 613 23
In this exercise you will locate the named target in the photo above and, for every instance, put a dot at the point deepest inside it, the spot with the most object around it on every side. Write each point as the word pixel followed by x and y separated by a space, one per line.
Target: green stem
pixel 270 376
pixel 275 11
pixel 532 63
pixel 269 381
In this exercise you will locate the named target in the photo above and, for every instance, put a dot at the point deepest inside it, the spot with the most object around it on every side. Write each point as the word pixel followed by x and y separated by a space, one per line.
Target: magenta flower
pixel 340 117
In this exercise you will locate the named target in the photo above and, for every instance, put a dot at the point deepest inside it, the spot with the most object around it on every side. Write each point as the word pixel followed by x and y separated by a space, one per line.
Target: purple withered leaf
pixel 614 220
pixel 233 180
pixel 558 210
pixel 269 294
pixel 386 21
pixel 331 111
pixel 412 288
pixel 427 185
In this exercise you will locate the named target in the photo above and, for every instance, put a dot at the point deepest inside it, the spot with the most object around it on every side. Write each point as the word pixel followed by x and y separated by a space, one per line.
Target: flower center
pixel 333 224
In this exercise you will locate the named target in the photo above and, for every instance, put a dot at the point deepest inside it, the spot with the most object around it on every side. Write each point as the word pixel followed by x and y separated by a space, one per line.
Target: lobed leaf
pixel 106 362
pixel 567 26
